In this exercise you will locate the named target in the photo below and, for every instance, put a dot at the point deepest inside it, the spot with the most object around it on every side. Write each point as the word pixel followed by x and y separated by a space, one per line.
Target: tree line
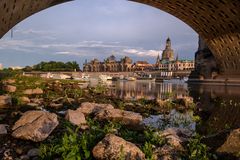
pixel 54 66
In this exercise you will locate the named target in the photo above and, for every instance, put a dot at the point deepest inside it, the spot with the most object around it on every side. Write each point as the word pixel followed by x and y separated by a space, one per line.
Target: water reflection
pixel 218 106
pixel 137 90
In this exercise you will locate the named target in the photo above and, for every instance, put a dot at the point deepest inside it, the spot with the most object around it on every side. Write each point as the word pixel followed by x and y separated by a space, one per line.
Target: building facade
pixel 1 66
pixel 169 63
pixel 109 65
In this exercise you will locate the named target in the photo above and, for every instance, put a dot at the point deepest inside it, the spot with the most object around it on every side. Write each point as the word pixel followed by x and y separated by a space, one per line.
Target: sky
pixel 84 29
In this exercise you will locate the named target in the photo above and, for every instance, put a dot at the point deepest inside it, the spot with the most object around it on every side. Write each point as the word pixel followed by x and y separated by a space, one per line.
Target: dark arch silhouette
pixel 216 21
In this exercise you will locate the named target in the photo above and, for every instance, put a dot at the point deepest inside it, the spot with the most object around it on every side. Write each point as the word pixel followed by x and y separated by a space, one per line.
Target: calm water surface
pixel 218 106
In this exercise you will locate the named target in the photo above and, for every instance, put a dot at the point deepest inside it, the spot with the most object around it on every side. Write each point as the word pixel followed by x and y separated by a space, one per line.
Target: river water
pixel 217 106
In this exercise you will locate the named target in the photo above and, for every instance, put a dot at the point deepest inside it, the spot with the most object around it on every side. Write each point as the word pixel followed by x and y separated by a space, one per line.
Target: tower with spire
pixel 168 53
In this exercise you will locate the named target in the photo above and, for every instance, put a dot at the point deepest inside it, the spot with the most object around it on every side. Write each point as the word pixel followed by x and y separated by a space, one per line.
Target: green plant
pixel 154 137
pixel 198 150
pixel 148 150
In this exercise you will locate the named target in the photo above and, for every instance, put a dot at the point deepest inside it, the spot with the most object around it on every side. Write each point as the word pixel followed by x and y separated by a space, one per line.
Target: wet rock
pixel 125 117
pixel 33 152
pixel 5 100
pixel 33 91
pixel 24 100
pixel 91 108
pixel 232 143
pixel 114 147
pixel 9 88
pixel 3 129
pixel 75 117
pixel 35 125
pixel 33 105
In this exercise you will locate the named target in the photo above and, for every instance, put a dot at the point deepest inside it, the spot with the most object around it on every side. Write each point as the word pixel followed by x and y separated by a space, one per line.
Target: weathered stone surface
pixel 76 117
pixel 9 81
pixel 33 91
pixel 35 125
pixel 56 105
pixel 166 152
pixel 176 136
pixel 117 115
pixel 5 100
pixel 91 108
pixel 232 143
pixel 3 129
pixel 24 100
pixel 9 88
pixel 114 147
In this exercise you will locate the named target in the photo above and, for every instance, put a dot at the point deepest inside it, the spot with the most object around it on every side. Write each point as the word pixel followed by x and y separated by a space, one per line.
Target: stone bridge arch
pixel 216 21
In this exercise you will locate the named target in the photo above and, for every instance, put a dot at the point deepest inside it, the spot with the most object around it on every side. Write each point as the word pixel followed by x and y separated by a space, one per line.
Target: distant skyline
pixel 80 30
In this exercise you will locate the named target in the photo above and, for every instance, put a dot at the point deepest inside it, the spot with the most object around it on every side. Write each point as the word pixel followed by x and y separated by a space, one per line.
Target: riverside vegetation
pixel 78 123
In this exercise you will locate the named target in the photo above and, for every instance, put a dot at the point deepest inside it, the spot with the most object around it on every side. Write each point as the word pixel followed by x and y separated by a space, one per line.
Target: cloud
pixel 142 52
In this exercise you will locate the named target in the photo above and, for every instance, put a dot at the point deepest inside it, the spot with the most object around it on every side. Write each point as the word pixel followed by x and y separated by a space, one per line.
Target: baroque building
pixel 109 65
pixel 168 63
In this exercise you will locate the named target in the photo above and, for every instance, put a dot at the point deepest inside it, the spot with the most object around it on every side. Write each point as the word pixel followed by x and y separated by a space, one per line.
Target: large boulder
pixel 232 143
pixel 75 117
pixel 91 108
pixel 9 88
pixel 116 115
pixel 114 147
pixel 5 100
pixel 176 136
pixel 173 148
pixel 35 125
pixel 33 91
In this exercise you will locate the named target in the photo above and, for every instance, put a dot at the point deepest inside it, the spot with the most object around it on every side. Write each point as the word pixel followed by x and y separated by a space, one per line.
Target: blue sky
pixel 85 29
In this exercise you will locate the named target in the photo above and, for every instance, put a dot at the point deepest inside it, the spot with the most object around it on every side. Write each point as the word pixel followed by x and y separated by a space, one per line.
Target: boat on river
pixel 104 78
pixel 147 78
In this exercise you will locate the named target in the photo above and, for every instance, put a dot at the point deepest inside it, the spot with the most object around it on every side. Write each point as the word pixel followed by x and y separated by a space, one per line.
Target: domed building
pixel 169 63
pixel 168 53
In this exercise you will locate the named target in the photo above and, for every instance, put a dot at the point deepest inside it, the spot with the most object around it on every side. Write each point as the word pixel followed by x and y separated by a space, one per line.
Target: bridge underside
pixel 216 21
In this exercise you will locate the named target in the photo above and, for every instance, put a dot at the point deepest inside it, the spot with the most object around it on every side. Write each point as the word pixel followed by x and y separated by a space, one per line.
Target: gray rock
pixel 116 115
pixel 176 136
pixel 33 152
pixel 3 129
pixel 75 117
pixel 114 147
pixel 35 125
pixel 91 108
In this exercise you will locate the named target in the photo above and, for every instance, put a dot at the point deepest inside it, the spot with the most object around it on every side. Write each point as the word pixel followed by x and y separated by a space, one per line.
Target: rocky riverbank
pixel 49 119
